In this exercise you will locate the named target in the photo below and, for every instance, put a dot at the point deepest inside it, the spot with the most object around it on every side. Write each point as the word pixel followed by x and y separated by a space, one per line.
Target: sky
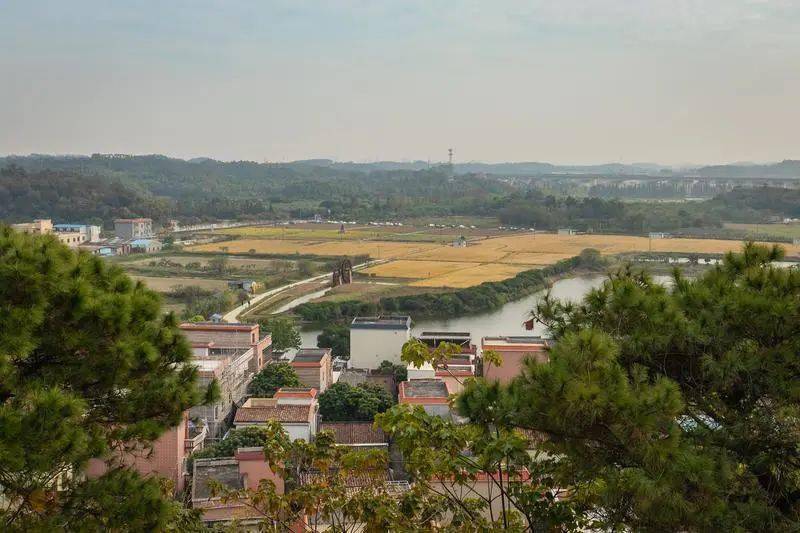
pixel 564 81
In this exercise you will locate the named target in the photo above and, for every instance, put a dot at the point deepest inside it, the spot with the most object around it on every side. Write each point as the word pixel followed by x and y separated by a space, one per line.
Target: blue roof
pixel 72 226
pixel 141 242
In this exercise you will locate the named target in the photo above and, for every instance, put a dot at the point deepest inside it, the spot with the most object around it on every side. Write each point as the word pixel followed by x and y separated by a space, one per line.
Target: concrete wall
pixel 369 347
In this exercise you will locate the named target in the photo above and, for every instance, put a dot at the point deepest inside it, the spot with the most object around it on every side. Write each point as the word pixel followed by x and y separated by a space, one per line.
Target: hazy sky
pixel 565 81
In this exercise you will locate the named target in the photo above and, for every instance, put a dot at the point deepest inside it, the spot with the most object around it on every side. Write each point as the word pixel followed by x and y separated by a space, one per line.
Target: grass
pixel 166 284
pixel 789 231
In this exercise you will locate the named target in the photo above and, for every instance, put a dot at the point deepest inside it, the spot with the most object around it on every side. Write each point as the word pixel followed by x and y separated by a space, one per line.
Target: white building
pixel 567 231
pixel 296 409
pixel 88 232
pixel 377 339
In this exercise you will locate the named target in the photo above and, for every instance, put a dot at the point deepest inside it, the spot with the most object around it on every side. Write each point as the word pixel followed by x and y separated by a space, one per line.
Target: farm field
pixel 166 284
pixel 376 249
pixel 485 258
pixel 474 275
pixel 416 269
pixel 791 231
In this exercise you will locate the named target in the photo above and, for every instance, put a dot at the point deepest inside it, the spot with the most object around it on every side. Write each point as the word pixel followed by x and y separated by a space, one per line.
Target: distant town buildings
pixel 133 228
pixel 145 246
pixel 377 339
pixel 567 231
pixel 659 235
pixel 132 236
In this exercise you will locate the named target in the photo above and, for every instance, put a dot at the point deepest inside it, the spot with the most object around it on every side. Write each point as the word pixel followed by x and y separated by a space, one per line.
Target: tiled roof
pixel 279 413
pixel 354 432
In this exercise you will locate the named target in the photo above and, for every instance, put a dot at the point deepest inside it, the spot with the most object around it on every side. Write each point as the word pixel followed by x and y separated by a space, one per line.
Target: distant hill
pixel 787 169
pixel 70 197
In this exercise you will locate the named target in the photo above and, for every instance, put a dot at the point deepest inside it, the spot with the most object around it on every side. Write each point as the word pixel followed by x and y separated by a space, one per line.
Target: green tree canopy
pixel 672 408
pixel 87 364
pixel 271 378
pixel 343 402
pixel 284 333
pixel 337 338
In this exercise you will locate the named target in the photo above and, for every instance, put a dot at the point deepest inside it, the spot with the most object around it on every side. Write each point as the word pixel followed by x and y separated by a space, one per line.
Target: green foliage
pixel 343 402
pixel 482 298
pixel 87 361
pixel 271 378
pixel 672 409
pixel 337 338
pixel 398 372
pixel 248 437
pixel 284 333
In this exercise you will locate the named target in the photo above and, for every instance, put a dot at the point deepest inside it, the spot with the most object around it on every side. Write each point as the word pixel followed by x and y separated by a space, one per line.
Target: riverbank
pixel 486 297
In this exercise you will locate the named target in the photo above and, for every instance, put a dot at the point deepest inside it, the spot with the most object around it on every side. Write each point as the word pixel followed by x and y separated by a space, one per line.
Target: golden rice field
pixel 489 259
pixel 403 268
pixel 474 275
pixel 376 249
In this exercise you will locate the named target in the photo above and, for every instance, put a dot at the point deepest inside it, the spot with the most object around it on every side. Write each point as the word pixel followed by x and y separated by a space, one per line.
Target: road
pixel 233 314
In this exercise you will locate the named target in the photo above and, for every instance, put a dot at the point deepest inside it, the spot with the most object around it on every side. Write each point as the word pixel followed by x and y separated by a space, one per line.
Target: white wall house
pixel 377 339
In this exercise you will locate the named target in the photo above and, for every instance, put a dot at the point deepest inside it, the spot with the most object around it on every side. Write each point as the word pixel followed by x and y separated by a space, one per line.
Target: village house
pixel 455 370
pixel 44 226
pixel 133 228
pixel 376 339
pixel 314 367
pixel 357 435
pixel 513 350
pixel 167 458
pixel 296 409
pixel 146 246
pixel 245 470
pixel 231 354
pixel 431 394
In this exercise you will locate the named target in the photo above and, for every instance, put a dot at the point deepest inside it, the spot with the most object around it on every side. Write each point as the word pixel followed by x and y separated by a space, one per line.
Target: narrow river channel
pixel 507 320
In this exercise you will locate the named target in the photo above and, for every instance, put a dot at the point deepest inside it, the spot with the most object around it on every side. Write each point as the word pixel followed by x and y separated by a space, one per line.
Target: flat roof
pixel 424 388
pixel 223 471
pixel 217 326
pixel 445 334
pixel 516 341
pixel 310 355
pixel 381 322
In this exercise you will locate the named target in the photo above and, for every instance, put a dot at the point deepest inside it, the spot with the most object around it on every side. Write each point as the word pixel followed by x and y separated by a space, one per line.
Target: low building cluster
pixel 232 353
pixel 131 235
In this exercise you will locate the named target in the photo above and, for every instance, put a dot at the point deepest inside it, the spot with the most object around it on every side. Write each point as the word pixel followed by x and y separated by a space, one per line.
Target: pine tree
pixel 673 409
pixel 87 364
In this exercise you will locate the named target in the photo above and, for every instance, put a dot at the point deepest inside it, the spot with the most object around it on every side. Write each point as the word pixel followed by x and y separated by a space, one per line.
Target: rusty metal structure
pixel 343 275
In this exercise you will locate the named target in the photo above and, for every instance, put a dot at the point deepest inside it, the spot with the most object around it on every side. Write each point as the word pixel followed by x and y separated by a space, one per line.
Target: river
pixel 508 320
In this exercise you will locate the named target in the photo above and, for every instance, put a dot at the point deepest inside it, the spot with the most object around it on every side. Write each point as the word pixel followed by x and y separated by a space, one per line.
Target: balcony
pixel 195 438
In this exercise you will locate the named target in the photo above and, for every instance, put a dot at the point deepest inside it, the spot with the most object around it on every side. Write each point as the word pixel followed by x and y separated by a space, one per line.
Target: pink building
pixel 514 351
pixel 243 471
pixel 218 336
pixel 167 458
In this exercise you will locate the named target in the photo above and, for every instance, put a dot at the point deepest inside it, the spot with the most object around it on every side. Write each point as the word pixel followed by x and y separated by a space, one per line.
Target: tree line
pixel 482 298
